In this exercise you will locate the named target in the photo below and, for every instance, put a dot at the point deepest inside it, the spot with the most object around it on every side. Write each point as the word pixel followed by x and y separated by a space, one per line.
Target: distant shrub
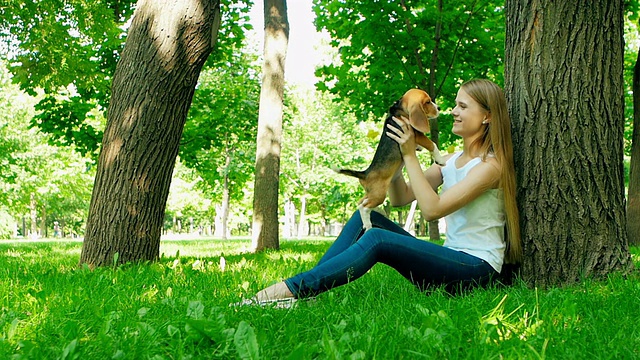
pixel 7 224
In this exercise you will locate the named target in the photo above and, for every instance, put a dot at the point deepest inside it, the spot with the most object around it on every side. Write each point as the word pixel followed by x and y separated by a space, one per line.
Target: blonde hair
pixel 496 140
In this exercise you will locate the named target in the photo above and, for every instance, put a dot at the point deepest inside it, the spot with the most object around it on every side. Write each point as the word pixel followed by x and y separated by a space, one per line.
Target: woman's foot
pixel 277 295
pixel 278 291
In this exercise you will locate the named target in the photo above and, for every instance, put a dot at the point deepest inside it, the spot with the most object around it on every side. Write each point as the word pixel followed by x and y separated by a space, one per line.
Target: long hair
pixel 496 140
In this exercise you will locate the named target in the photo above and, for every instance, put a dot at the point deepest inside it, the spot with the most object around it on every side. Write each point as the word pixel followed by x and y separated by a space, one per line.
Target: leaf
pixel 202 327
pixel 297 353
pixel 195 310
pixel 172 330
pixel 246 342
pixel 69 350
pixel 12 329
pixel 142 312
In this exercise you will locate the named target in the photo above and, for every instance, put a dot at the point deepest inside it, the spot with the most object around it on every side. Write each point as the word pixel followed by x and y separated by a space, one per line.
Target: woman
pixel 477 201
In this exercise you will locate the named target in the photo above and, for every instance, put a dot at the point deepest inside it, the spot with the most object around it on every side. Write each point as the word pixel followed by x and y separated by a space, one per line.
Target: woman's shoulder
pixel 449 156
pixel 488 169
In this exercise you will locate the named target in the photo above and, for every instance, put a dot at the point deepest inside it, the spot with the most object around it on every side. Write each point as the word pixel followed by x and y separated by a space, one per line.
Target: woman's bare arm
pixel 401 192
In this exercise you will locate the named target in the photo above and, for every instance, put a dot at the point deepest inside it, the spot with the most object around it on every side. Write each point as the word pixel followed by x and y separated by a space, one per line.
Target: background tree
pixel 568 147
pixel 265 234
pixel 632 115
pixel 387 48
pixel 188 208
pixel 69 50
pixel 318 134
pixel 166 48
pixel 219 137
pixel 633 206
pixel 39 183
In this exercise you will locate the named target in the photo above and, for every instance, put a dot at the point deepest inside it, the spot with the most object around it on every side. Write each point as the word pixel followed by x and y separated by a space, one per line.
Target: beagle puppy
pixel 416 105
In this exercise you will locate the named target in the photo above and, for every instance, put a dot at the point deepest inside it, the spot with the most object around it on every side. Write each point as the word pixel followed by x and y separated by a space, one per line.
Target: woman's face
pixel 468 116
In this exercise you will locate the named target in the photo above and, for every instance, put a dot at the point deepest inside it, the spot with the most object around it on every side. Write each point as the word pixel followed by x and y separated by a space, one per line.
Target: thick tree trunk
pixel 564 88
pixel 633 206
pixel 265 198
pixel 167 45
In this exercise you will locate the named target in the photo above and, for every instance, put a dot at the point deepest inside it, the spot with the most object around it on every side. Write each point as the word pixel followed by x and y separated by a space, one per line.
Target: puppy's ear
pixel 417 115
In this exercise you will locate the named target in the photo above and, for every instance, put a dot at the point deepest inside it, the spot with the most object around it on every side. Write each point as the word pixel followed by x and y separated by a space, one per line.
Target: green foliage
pixel 319 136
pixel 179 308
pixel 385 48
pixel 59 179
pixel 70 49
pixel 219 137
pixel 67 47
pixel 7 224
pixel 630 57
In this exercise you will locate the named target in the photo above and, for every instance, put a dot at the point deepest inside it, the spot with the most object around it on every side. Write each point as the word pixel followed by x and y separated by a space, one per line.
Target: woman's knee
pixel 373 237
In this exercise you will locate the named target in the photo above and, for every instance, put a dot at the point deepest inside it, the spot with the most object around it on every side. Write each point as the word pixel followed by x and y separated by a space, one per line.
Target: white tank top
pixel 477 228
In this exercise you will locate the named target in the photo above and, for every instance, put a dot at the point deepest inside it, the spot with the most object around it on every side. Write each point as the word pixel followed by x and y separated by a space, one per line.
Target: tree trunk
pixel 633 206
pixel 564 86
pixel 434 230
pixel 289 219
pixel 410 216
pixel 226 197
pixel 265 198
pixel 217 232
pixel 303 230
pixel 167 45
pixel 43 222
pixel 33 209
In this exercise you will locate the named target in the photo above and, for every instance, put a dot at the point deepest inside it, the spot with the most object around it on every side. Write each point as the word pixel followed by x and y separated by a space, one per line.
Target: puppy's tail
pixel 357 174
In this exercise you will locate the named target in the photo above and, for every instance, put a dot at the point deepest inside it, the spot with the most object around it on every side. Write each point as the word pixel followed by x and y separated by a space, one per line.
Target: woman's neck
pixel 468 147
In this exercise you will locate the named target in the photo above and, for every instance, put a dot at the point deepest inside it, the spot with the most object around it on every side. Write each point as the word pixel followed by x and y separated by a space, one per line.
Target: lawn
pixel 178 308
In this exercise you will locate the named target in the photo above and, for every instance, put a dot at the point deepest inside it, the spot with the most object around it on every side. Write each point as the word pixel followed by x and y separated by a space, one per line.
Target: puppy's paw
pixel 365 215
pixel 437 157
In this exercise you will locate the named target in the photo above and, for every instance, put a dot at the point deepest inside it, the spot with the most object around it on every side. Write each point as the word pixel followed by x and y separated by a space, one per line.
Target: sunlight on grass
pixel 499 325
pixel 179 307
pixel 13 253
pixel 204 248
pixel 290 255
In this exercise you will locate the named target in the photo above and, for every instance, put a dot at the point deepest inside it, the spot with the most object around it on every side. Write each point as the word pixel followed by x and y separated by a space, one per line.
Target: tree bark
pixel 564 86
pixel 167 45
pixel 633 206
pixel 265 198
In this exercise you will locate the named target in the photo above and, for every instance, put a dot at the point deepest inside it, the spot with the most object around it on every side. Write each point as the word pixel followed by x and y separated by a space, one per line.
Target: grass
pixel 178 308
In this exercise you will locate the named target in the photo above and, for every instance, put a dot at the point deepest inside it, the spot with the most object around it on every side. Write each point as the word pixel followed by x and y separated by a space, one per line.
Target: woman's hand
pixel 404 136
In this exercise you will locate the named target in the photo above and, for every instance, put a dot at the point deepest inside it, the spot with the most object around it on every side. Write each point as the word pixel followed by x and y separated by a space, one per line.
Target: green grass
pixel 178 308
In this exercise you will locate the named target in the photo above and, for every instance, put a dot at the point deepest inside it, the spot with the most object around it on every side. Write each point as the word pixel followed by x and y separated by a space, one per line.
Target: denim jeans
pixel 425 264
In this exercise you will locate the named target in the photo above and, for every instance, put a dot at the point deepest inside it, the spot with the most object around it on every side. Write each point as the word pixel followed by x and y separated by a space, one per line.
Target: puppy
pixel 416 105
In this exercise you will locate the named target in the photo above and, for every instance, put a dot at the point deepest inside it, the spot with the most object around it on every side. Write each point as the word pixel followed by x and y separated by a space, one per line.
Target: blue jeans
pixel 423 263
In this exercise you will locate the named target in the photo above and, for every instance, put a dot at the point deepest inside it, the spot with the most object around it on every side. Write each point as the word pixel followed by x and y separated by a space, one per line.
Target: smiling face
pixel 468 116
